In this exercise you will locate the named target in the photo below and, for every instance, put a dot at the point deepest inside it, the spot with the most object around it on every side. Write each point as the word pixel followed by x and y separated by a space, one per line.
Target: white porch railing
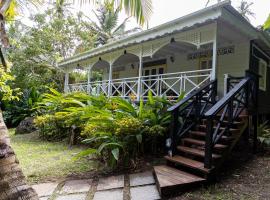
pixel 170 84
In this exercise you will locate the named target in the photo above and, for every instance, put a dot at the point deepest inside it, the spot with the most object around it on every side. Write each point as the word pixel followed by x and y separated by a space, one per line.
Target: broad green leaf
pixel 103 145
pixel 150 98
pixel 85 153
pixel 139 138
pixel 115 153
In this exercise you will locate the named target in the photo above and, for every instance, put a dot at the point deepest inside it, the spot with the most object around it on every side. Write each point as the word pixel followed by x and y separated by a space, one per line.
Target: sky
pixel 167 10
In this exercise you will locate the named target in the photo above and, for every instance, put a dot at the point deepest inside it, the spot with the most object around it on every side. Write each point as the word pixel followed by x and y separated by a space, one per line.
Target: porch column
pixel 214 60
pixel 66 82
pixel 89 74
pixel 139 89
pixel 110 80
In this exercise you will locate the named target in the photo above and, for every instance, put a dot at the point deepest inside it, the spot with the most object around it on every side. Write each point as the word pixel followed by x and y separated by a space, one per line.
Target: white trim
pixel 264 76
pixel 206 15
pixel 66 82
pixel 169 84
pixel 259 49
pixel 139 88
pixel 214 58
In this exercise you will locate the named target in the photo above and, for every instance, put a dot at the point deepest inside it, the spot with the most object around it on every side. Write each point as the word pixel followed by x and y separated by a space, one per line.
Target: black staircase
pixel 204 132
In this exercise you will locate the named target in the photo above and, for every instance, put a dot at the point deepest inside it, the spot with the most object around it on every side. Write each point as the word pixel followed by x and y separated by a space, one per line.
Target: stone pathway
pixel 139 186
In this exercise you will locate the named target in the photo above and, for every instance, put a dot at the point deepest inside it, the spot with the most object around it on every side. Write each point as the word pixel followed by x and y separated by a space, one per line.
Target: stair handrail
pixel 242 96
pixel 190 106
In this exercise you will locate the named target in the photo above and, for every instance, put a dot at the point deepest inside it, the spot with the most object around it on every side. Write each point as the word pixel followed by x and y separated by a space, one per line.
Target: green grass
pixel 43 161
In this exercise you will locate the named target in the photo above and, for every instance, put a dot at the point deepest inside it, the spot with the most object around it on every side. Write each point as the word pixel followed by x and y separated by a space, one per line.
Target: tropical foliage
pixel 264 133
pixel 17 110
pixel 108 27
pixel 267 23
pixel 117 131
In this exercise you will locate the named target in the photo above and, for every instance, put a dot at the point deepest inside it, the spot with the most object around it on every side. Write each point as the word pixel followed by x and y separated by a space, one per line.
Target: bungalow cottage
pixel 178 56
pixel 206 55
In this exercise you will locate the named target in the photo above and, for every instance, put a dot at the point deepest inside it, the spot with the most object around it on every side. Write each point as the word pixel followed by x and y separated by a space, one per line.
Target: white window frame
pixel 263 76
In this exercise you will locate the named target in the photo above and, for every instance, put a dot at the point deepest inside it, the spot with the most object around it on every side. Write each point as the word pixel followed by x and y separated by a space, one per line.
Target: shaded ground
pixel 43 161
pixel 244 177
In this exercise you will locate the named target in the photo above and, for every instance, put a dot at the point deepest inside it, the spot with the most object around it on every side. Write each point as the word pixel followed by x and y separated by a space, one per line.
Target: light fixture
pixel 79 67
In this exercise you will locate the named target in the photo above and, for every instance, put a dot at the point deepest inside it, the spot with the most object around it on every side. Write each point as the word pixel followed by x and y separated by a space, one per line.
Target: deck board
pixel 169 178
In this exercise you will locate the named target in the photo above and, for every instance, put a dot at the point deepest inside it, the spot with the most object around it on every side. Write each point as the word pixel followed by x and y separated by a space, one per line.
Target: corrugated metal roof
pixel 150 34
pixel 199 17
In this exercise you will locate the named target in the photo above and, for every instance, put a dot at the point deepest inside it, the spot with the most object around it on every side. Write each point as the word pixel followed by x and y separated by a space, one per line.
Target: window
pixel 151 71
pixel 115 75
pixel 206 64
pixel 262 72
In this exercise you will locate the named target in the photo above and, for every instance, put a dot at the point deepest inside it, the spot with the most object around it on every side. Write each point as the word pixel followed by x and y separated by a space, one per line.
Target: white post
pixel 139 89
pixel 226 76
pixel 110 80
pixel 214 60
pixel 66 82
pixel 89 74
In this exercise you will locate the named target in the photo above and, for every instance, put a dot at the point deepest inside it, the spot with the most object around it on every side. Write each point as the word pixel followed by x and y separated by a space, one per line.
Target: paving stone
pixel 76 186
pixel 148 192
pixel 45 189
pixel 115 194
pixel 111 182
pixel 144 178
pixel 72 197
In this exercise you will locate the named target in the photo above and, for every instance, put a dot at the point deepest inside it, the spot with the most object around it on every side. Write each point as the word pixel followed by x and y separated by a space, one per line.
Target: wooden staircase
pixel 203 141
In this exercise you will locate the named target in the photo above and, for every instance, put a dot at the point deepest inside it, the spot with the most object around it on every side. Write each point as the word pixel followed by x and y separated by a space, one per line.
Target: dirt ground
pixel 244 177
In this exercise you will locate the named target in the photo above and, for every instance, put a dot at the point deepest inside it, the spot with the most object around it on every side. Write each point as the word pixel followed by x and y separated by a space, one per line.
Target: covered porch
pixel 168 60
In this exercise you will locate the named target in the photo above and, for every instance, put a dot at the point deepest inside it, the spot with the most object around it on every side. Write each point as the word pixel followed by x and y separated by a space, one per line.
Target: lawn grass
pixel 43 161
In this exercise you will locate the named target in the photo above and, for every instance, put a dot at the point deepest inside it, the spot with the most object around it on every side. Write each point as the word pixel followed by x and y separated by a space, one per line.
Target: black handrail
pixel 242 96
pixel 191 96
pixel 222 102
pixel 190 110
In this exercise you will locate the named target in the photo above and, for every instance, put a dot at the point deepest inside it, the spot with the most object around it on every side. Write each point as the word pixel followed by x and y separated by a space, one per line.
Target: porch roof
pixel 222 10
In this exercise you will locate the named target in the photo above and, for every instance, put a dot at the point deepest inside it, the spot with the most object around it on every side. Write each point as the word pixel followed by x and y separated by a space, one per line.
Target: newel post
pixel 171 142
pixel 254 95
pixel 208 144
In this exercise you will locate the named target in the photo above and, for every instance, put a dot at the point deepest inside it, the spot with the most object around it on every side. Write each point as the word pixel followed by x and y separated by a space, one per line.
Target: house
pixel 178 56
pixel 205 55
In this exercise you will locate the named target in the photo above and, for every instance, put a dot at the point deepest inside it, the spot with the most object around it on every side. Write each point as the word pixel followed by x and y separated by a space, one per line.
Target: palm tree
pixel 107 27
pixel 266 25
pixel 13 185
pixel 245 11
pixel 208 1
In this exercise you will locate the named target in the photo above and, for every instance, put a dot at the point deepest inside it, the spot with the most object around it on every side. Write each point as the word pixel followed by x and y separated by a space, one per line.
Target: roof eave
pixel 139 36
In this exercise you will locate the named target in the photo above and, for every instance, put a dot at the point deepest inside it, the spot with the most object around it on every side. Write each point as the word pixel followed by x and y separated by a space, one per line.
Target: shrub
pixel 116 130
pixel 16 111
pixel 264 134
pixel 51 127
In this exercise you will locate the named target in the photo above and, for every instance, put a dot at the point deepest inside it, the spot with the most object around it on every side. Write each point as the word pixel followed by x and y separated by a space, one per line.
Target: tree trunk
pixel 13 184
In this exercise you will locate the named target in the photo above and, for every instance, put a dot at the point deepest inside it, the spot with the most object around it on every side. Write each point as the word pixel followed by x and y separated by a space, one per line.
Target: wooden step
pixel 194 164
pixel 232 130
pixel 203 134
pixel 235 123
pixel 196 152
pixel 171 180
pixel 202 143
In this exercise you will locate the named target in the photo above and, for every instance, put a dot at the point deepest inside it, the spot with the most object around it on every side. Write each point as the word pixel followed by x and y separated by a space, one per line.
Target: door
pixel 205 63
pixel 150 77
